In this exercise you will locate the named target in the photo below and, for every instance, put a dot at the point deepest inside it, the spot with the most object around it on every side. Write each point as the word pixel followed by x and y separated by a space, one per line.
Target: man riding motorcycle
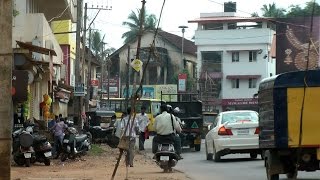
pixel 165 126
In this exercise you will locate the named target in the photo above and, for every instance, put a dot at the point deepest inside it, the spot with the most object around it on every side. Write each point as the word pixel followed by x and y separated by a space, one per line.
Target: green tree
pixel 307 11
pixel 133 23
pixel 255 14
pixel 271 10
pixel 97 43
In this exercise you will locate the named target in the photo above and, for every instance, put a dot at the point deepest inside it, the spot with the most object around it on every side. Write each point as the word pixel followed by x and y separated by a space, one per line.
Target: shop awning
pixel 243 76
pixel 37 49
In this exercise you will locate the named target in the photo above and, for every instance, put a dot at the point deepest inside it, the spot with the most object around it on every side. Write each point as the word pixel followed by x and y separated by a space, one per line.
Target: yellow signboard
pixel 136 65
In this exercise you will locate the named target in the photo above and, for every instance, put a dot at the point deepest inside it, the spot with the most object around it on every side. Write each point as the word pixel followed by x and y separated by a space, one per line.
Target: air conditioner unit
pixel 48 45
pixel 36 42
pixel 73 80
pixel 63 72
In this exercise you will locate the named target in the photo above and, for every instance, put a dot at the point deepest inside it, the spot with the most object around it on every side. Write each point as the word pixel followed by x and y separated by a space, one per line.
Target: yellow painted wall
pixel 311 116
pixel 67 38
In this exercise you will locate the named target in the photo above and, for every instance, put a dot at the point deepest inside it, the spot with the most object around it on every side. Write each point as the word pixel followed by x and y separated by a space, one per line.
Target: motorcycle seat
pixel 39 138
pixel 80 138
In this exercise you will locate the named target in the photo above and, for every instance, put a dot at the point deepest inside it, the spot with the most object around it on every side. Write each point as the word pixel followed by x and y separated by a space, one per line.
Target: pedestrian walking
pixel 143 122
pixel 131 136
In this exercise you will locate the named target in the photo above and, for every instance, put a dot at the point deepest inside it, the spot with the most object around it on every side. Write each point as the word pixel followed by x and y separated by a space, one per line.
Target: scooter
pixel 22 149
pixel 74 144
pixel 166 157
pixel 42 149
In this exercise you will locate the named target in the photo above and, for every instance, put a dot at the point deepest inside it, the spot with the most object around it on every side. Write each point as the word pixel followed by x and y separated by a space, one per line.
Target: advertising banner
pixel 292 44
pixel 113 85
pixel 182 80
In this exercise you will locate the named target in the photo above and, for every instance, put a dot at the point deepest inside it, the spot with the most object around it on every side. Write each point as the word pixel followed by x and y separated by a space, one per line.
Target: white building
pixel 32 42
pixel 233 56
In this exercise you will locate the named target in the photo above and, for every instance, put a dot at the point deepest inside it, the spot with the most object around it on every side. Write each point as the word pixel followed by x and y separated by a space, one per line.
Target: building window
pixel 212 26
pixel 235 83
pixel 235 56
pixel 211 61
pixel 252 56
pixel 252 83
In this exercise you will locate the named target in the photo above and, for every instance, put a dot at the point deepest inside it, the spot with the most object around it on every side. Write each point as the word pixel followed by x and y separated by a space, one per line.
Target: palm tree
pixel 150 23
pixel 271 10
pixel 97 43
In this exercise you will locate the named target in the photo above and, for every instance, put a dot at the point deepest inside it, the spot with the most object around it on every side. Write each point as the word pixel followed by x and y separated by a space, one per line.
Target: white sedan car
pixel 233 132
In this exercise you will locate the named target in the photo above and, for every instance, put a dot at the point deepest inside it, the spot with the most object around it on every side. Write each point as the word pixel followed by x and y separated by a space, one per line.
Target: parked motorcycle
pixel 166 157
pixel 42 149
pixel 75 144
pixel 22 149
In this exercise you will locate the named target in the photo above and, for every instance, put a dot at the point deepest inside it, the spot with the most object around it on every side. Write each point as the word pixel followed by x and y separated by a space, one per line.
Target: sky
pixel 175 13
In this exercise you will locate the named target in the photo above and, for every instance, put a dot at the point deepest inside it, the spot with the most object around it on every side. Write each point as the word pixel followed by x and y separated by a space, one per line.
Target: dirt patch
pixel 96 166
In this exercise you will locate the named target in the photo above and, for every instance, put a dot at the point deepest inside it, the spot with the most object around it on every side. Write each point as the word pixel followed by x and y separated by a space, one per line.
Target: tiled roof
pixel 189 46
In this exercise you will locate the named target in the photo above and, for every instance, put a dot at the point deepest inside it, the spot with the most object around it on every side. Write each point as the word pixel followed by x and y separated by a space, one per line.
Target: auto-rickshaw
pixel 100 124
pixel 208 118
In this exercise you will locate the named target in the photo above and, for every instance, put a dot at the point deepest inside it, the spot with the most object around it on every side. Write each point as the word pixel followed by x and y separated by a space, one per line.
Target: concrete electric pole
pixel 6 64
pixel 182 46
pixel 142 14
pixel 76 101
pixel 89 73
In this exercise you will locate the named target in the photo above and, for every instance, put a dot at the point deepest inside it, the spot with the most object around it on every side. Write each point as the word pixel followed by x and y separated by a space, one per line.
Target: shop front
pixel 240 104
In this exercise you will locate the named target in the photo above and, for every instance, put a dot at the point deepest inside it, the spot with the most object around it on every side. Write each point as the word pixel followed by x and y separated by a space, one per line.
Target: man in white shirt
pixel 143 122
pixel 133 123
pixel 165 125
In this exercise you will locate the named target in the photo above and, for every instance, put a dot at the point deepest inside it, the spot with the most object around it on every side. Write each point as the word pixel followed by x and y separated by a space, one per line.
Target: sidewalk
pixel 98 167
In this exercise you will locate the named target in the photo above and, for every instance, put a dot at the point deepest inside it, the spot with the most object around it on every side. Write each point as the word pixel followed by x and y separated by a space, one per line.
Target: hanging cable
pixel 61 14
pixel 304 91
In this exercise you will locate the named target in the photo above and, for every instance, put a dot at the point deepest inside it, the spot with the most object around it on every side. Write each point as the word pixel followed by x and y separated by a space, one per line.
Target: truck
pixel 191 117
pixel 289 123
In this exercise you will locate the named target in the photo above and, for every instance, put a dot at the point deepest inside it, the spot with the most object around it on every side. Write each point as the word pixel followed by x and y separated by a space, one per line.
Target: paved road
pixel 232 167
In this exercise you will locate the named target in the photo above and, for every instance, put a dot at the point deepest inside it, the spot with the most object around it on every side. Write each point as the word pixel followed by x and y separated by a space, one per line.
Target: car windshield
pixel 208 119
pixel 239 116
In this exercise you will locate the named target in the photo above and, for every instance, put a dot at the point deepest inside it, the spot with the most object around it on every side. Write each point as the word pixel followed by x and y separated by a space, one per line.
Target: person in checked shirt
pixel 133 124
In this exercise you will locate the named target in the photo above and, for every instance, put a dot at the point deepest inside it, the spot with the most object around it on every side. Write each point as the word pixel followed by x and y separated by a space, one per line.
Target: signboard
pixel 292 44
pixel 167 89
pixel 136 65
pixel 79 90
pixel 239 102
pixel 182 82
pixel 147 92
pixel 154 91
pixel 113 85
pixel 94 82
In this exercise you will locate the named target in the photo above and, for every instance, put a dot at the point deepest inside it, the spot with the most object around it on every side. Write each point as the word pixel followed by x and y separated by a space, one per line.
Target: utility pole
pixel 182 46
pixel 102 68
pixel 128 78
pixel 109 63
pixel 89 73
pixel 84 36
pixel 5 81
pixel 76 102
pixel 139 43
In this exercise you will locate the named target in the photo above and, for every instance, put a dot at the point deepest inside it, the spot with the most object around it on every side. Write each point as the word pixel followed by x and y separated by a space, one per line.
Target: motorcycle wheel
pixel 28 162
pixel 19 161
pixel 47 162
pixel 71 156
pixel 63 157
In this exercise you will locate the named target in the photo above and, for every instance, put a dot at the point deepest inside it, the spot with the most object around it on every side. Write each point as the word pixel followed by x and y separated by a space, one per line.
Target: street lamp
pixel 183 30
